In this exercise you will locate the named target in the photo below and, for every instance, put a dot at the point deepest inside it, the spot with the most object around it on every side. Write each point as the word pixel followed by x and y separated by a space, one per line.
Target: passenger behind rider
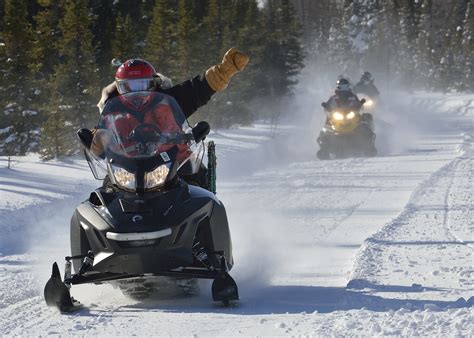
pixel 366 86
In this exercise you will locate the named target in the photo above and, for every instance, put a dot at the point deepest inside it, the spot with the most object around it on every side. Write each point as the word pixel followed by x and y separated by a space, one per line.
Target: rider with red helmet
pixel 140 75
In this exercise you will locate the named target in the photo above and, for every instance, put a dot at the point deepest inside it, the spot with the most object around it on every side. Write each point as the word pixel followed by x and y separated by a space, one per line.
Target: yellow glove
pixel 218 76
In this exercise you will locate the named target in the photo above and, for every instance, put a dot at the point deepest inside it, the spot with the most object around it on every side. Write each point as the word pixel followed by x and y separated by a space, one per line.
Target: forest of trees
pixel 411 44
pixel 55 55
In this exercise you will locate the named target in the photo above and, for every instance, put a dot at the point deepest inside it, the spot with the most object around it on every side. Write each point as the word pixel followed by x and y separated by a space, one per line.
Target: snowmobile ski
pixel 57 294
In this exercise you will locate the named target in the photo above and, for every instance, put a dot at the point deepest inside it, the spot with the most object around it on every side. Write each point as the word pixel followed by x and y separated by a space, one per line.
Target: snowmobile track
pixel 415 221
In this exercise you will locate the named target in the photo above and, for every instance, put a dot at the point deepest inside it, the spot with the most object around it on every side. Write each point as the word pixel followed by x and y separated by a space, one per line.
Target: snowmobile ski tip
pixel 224 289
pixel 56 293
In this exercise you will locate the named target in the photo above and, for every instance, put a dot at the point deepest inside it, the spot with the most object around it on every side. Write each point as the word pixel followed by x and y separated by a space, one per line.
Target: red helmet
pixel 135 75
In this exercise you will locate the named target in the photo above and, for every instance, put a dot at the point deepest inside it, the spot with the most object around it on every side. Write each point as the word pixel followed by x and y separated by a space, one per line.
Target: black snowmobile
pixel 146 222
pixel 348 132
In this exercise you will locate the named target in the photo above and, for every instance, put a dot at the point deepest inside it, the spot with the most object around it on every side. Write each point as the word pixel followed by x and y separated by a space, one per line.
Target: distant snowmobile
pixel 146 222
pixel 347 133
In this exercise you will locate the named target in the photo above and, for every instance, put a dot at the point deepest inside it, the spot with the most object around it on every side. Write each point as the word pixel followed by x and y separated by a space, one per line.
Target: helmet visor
pixel 135 85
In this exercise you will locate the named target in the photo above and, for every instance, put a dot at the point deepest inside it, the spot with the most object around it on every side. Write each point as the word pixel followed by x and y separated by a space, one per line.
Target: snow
pixel 5 130
pixel 366 247
pixel 11 138
pixel 29 113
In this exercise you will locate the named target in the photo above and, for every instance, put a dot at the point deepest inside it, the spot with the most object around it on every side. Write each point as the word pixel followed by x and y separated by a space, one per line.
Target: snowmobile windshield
pixel 143 125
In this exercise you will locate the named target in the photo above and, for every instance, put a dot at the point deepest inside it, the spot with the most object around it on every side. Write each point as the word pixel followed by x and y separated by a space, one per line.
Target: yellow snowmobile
pixel 347 133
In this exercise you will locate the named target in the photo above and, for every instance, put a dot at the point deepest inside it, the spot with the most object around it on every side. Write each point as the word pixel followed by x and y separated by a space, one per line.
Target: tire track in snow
pixel 450 203
pixel 462 178
pixel 32 315
pixel 24 315
pixel 418 225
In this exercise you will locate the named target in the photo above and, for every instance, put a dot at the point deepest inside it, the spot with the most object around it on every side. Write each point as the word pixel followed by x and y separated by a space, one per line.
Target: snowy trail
pixel 438 220
pixel 398 228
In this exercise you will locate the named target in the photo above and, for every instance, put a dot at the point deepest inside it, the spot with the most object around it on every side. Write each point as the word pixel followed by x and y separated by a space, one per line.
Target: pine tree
pixel 56 136
pixel 161 38
pixel 75 81
pixel 283 52
pixel 186 37
pixel 378 57
pixel 46 34
pixel 251 39
pixel 214 25
pixel 44 55
pixel 339 48
pixel 76 78
pixel 123 46
pixel 468 46
pixel 424 57
pixel 448 71
pixel 408 27
pixel 282 55
pixel 140 13
pixel 357 16
pixel 18 124
pixel 103 32
pixel 241 28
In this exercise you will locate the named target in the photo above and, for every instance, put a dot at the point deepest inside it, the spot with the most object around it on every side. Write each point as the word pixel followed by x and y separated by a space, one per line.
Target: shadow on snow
pixel 294 299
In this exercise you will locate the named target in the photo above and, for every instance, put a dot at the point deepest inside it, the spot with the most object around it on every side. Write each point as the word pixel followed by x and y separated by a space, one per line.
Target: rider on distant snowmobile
pixel 366 86
pixel 348 131
pixel 343 97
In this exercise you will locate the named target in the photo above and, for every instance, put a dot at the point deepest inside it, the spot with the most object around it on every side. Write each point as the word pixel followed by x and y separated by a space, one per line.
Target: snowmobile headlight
pixel 351 115
pixel 124 178
pixel 156 177
pixel 369 103
pixel 337 116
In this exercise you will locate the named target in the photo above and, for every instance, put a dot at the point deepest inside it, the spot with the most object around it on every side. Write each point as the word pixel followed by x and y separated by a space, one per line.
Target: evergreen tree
pixel 339 44
pixel 103 28
pixel 186 37
pixel 44 55
pixel 214 25
pixel 161 38
pixel 282 55
pixel 468 46
pixel 18 125
pixel 140 13
pixel 424 57
pixel 76 78
pixel 74 82
pixel 251 39
pixel 46 34
pixel 405 66
pixel 454 53
pixel 378 57
pixel 124 42
pixel 360 21
pixel 56 137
